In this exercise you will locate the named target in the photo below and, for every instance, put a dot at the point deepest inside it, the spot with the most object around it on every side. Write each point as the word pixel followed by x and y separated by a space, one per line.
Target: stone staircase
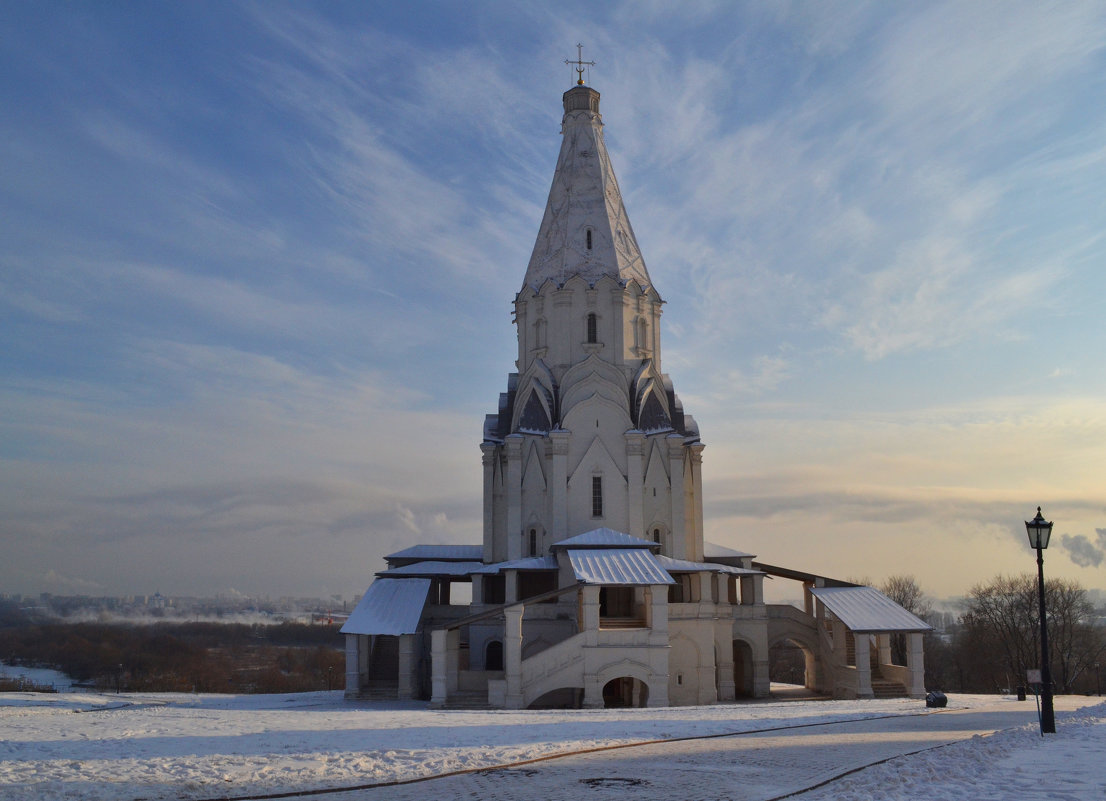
pixel 467 700
pixel 884 688
pixel 379 690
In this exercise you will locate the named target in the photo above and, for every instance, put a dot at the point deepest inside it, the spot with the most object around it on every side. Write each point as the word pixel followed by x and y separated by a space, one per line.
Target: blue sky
pixel 258 263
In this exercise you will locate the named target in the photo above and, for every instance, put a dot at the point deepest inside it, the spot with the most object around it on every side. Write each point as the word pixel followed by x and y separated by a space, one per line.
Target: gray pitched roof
pixel 529 563
pixel 604 538
pixel 441 553
pixel 686 566
pixel 866 609
pixel 617 566
pixel 389 607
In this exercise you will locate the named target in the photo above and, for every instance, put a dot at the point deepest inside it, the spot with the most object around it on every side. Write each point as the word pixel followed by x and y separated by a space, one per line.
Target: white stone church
pixel 593 586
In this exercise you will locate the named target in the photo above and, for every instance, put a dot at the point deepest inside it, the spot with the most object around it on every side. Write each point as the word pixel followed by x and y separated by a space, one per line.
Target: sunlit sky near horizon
pixel 258 263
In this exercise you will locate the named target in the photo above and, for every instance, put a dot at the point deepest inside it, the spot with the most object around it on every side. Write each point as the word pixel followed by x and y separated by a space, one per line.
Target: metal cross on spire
pixel 580 64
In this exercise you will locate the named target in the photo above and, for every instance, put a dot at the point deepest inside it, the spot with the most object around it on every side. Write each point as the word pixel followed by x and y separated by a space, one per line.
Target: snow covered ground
pixel 168 746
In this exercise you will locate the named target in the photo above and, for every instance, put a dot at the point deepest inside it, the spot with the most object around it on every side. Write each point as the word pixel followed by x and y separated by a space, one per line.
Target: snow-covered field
pixel 162 746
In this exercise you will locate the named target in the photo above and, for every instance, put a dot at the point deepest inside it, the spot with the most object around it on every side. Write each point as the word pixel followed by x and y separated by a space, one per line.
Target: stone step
pixel 467 701
pixel 888 689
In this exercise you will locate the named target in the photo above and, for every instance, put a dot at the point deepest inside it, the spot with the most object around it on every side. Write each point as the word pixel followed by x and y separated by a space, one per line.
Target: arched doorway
pixel 625 691
pixel 493 656
pixel 785 656
pixel 742 669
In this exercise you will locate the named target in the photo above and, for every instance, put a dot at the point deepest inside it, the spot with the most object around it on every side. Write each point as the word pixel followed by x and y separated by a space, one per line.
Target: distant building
pixel 593 585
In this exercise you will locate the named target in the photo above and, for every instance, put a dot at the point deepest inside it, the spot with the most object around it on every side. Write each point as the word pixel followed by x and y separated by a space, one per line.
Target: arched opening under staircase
pixel 625 691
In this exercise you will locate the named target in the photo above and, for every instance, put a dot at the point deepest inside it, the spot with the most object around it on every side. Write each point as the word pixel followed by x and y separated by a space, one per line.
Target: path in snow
pixel 760 766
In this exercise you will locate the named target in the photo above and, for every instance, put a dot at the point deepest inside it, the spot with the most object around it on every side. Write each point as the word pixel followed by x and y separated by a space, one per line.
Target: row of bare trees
pixel 996 638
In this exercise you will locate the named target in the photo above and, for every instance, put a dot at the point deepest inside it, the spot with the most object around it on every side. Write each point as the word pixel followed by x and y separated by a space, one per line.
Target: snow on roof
pixel 389 607
pixel 604 538
pixel 529 563
pixel 865 609
pixel 617 566
pixel 685 566
pixel 441 553
pixel 713 549
pixel 433 568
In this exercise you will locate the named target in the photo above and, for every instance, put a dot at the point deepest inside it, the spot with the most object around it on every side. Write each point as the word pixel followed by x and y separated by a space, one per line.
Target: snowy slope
pixel 86 746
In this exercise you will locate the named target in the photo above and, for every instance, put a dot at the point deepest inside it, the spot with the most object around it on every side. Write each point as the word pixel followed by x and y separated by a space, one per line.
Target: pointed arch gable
pixel 656 469
pixel 535 408
pixel 533 470
pixel 534 416
pixel 577 281
pixel 598 414
pixel 652 416
pixel 595 459
pixel 589 377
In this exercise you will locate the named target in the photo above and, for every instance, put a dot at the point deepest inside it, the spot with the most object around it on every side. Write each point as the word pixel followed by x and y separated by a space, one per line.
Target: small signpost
pixel 1033 678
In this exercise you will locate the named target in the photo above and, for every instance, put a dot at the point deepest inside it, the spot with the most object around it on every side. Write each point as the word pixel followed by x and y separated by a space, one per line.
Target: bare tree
pixel 1002 631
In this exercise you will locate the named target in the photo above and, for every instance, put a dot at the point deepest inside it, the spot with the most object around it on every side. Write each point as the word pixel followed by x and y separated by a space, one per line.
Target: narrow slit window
pixel 533 542
pixel 597 496
pixel 593 329
pixel 589 238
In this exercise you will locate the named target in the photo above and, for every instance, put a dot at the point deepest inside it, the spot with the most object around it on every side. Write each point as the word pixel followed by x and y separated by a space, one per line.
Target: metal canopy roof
pixel 389 607
pixel 434 569
pixel 440 553
pixel 713 550
pixel 686 566
pixel 865 610
pixel 529 563
pixel 605 538
pixel 617 566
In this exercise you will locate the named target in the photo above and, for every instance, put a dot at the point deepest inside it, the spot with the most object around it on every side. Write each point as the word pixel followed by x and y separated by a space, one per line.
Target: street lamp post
pixel 1039 530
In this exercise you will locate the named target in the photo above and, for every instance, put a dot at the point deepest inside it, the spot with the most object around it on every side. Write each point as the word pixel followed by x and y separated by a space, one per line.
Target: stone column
pixel 883 645
pixel 657 598
pixel 706 592
pixel 915 661
pixel 695 513
pixel 453 660
pixel 406 686
pixel 762 684
pixel 353 672
pixel 513 533
pixel 677 498
pixel 489 454
pixel 635 478
pixel 589 598
pixel 723 648
pixel 438 647
pixel 593 692
pixel 863 665
pixel 512 655
pixel 559 440
pixel 757 583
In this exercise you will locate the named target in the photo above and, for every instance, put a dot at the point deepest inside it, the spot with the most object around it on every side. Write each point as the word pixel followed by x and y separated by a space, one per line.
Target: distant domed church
pixel 593 585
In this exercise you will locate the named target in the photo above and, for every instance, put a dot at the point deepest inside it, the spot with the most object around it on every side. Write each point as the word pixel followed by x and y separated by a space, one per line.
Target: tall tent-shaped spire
pixel 585 230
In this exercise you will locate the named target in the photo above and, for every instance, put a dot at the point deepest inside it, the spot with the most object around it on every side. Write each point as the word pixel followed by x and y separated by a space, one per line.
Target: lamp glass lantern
pixel 1039 531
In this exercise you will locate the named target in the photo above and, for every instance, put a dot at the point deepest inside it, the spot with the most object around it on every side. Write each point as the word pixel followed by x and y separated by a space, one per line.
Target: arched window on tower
pixel 597 496
pixel 593 329
pixel 533 542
